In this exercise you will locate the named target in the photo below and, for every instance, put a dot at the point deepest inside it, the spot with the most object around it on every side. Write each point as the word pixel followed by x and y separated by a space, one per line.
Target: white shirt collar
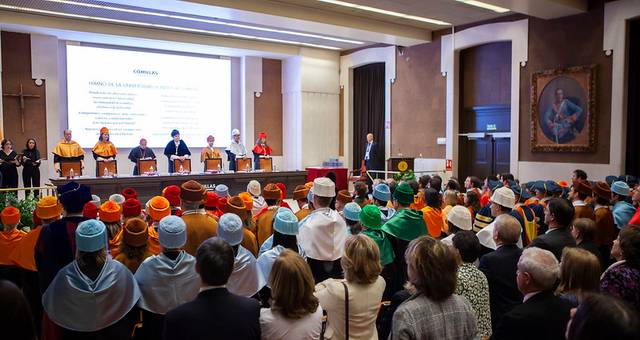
pixel 529 296
pixel 205 288
pixel 579 203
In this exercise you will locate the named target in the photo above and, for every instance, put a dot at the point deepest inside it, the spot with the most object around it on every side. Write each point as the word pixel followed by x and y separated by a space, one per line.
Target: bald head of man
pixel 506 230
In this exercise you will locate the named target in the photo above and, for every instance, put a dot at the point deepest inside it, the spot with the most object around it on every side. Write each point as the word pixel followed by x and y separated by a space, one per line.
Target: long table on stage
pixel 149 186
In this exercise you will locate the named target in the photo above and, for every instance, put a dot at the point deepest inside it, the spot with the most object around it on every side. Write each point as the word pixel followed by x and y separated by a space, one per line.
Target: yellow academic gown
pixel 209 153
pixel 105 149
pixel 68 150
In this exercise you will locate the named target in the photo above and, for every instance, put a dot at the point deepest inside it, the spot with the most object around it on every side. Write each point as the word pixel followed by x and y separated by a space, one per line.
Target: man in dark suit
pixel 558 216
pixel 215 313
pixel 500 267
pixel 542 315
pixel 373 158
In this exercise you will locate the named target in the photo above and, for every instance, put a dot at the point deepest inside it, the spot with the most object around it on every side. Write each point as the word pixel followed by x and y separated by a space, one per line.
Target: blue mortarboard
pixel 91 236
pixel 493 185
pixel 553 187
pixel 230 229
pixel 610 179
pixel 285 222
pixel 73 196
pixel 351 211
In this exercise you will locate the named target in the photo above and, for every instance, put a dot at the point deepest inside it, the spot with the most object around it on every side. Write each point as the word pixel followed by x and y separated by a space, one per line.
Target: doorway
pixel 484 110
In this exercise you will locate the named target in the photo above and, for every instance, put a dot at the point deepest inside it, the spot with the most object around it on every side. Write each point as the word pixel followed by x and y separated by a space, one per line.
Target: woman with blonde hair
pixel 579 274
pixel 352 304
pixel 295 312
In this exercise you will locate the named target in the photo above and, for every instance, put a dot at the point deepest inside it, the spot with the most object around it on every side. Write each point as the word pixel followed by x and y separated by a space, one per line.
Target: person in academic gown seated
pixel 579 193
pixel 176 149
pixel 542 315
pixel 140 152
pixel 56 246
pixel 215 314
pixel 47 210
pixel 264 218
pixel 31 164
pixel 622 210
pixel 500 267
pixel 235 150
pixel 200 225
pixel 134 247
pixel 93 296
pixel 9 164
pixel 246 278
pixel 166 280
pixel 209 151
pixel 295 312
pixel 260 149
pixel 236 205
pixel 381 197
pixel 258 201
pixel 323 233
pixel 104 150
pixel 300 196
pixel 67 150
pixel 405 226
pixel 10 238
pixel 285 225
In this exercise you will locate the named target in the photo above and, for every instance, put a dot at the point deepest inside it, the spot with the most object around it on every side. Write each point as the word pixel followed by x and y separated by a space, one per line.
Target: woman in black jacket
pixel 31 164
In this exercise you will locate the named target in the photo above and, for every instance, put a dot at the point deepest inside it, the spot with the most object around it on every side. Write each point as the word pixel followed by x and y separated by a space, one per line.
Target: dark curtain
pixel 368 109
pixel 633 104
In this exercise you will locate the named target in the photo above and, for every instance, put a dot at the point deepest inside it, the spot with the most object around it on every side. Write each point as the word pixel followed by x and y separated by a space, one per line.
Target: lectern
pixel 111 166
pixel 68 167
pixel 212 164
pixel 401 164
pixel 266 164
pixel 243 164
pixel 185 164
pixel 146 166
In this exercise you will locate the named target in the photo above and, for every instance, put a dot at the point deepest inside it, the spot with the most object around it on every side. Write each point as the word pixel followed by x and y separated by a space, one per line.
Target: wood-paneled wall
pixel 268 108
pixel 16 70
pixel 418 103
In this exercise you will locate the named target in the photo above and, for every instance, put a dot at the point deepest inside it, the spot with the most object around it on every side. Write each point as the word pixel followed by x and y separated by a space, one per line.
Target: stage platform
pixel 149 186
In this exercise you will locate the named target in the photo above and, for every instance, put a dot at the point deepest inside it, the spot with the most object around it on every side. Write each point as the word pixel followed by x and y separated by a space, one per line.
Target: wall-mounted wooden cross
pixel 21 96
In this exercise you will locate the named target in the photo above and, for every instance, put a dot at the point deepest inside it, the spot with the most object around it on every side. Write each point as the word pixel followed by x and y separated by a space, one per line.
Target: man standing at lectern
pixel 67 150
pixel 372 159
pixel 235 150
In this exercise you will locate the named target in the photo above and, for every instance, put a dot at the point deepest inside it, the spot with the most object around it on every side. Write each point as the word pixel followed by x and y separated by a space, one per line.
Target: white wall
pixel 310 95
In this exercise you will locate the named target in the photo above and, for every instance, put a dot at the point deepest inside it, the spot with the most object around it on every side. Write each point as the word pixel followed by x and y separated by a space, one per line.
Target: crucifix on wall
pixel 21 96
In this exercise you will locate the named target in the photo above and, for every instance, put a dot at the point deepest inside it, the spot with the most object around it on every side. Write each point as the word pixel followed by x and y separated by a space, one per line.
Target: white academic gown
pixel 246 278
pixel 266 259
pixel 258 204
pixel 166 283
pixel 73 301
pixel 322 234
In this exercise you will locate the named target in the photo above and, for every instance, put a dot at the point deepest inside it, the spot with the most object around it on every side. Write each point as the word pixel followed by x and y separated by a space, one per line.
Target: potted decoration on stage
pixel 405 174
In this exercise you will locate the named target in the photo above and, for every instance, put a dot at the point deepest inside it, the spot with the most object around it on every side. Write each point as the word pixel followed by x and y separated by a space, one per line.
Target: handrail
pixel 48 189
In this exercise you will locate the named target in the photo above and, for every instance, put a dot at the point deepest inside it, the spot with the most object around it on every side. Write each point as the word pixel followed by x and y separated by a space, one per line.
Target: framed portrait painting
pixel 563 110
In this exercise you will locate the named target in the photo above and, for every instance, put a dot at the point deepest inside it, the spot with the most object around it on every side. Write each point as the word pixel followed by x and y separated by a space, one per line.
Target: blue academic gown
pixel 170 150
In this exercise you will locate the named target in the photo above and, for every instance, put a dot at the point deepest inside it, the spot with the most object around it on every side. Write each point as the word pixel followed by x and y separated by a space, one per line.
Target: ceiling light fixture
pixel 208 21
pixel 485 5
pixel 386 12
pixel 169 27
